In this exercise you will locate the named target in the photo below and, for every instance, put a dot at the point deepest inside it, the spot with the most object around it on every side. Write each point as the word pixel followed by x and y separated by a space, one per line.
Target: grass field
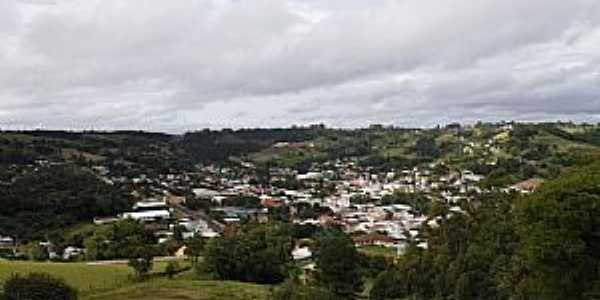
pixel 113 282
pixel 183 289
pixel 88 279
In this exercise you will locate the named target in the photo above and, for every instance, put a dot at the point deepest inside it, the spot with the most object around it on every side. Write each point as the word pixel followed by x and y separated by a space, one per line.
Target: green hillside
pixel 180 289
pixel 86 278
pixel 114 282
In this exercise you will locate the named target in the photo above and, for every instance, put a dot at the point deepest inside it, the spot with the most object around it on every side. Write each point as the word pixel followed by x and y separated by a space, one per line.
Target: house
pixel 301 253
pixel 150 205
pixel 181 252
pixel 72 252
pixel 270 202
pixel 175 200
pixel 309 176
pixel 373 239
pixel 6 242
pixel 147 216
pixel 204 193
pixel 105 221
pixel 527 186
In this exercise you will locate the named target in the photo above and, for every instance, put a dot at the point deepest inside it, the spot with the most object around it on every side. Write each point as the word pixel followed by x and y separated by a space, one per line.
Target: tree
pixel 194 248
pixel 178 233
pixel 141 261
pixel 37 286
pixel 116 241
pixel 51 198
pixel 426 147
pixel 253 253
pixel 172 268
pixel 413 277
pixel 417 201
pixel 389 285
pixel 337 263
pixel 559 230
pixel 38 253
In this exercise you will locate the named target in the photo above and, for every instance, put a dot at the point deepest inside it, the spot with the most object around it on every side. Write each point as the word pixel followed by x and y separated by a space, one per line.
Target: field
pixel 165 289
pixel 103 282
pixel 88 279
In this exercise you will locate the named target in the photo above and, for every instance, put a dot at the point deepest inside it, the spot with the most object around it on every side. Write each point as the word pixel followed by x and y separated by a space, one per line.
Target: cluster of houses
pixel 333 186
pixel 370 223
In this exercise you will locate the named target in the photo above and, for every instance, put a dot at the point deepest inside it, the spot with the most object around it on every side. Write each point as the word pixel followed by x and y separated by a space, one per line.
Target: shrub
pixel 255 253
pixel 38 286
pixel 172 269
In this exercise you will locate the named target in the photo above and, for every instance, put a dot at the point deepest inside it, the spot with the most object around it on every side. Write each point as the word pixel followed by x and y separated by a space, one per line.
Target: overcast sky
pixel 167 65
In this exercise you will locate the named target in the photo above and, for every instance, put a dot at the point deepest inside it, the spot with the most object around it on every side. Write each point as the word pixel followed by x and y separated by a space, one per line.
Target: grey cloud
pixel 177 65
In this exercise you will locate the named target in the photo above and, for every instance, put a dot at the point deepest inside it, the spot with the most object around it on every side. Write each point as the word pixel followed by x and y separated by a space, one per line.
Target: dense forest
pixel 56 197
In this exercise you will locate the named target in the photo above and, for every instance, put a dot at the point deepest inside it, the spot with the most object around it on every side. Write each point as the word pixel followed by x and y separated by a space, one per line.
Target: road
pixel 125 261
pixel 198 214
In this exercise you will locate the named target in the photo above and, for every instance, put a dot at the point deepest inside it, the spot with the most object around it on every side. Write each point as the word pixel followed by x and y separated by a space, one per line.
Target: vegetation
pixel 502 246
pixel 254 253
pixel 88 279
pixel 142 262
pixel 83 277
pixel 337 264
pixel 53 198
pixel 217 146
pixel 543 246
pixel 417 201
pixel 291 290
pixel 182 289
pixel 123 240
pixel 172 269
pixel 38 286
pixel 194 248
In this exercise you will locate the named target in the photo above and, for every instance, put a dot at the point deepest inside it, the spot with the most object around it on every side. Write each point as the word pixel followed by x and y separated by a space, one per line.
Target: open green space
pixel 165 289
pixel 88 279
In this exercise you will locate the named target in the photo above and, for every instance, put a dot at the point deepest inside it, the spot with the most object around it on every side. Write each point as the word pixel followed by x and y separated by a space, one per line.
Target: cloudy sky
pixel 189 64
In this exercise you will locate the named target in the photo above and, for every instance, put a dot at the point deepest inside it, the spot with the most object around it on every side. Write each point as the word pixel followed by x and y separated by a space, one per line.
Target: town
pixel 275 208
pixel 382 209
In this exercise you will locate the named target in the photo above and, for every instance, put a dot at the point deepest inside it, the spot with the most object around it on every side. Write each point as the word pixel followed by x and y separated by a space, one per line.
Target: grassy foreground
pixel 85 278
pixel 183 289
pixel 104 282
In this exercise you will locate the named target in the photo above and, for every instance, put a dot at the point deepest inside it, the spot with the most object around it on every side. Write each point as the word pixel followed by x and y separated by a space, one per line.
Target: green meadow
pixel 114 282
pixel 176 289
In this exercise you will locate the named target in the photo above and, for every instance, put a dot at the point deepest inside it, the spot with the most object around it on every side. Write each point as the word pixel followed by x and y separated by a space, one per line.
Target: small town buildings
pixel 6 242
pixel 147 216
pixel 301 253
pixel 373 239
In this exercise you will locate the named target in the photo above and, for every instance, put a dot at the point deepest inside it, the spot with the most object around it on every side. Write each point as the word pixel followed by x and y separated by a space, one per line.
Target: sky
pixel 177 66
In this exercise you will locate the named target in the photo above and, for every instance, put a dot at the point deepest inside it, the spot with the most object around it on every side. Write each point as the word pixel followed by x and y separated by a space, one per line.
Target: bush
pixel 38 286
pixel 337 262
pixel 142 262
pixel 172 269
pixel 255 253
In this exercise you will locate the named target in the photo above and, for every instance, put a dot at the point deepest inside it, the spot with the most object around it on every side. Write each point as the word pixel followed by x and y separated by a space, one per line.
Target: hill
pixel 114 282
pixel 84 277
pixel 53 197
pixel 181 289
pixel 507 246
